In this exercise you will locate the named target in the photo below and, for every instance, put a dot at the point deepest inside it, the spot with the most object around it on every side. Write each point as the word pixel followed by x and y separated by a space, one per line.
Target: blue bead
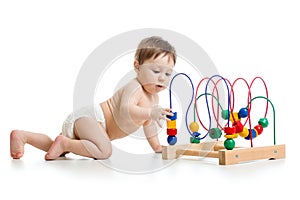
pixel 174 117
pixel 253 134
pixel 243 113
pixel 172 140
pixel 196 134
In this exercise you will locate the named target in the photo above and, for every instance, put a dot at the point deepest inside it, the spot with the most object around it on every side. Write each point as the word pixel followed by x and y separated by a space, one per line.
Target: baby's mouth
pixel 159 86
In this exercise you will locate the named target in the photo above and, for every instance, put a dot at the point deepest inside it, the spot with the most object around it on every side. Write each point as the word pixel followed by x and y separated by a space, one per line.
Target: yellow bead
pixel 231 136
pixel 171 124
pixel 235 117
pixel 194 127
pixel 244 133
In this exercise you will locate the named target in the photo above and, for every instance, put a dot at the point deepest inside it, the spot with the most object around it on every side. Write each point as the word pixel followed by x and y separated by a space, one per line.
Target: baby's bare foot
pixel 17 142
pixel 56 148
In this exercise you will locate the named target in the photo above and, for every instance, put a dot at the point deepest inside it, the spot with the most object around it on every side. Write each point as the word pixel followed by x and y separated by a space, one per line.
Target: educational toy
pixel 238 124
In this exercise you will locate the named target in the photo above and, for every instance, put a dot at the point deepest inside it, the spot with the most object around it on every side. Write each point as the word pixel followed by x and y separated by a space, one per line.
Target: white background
pixel 44 43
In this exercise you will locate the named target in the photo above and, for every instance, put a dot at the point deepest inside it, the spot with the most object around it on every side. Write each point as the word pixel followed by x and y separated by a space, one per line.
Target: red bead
pixel 229 130
pixel 259 129
pixel 172 132
pixel 238 126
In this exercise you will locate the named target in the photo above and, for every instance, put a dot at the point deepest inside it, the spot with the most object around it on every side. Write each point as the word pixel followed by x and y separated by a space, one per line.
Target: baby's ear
pixel 136 65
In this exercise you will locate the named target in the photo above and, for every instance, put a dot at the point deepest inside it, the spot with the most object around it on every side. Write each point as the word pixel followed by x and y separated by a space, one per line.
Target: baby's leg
pixel 19 138
pixel 93 141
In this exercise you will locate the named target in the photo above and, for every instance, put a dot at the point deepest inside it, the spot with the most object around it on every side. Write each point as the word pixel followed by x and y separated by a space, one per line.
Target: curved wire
pixel 207 105
pixel 274 135
pixel 170 96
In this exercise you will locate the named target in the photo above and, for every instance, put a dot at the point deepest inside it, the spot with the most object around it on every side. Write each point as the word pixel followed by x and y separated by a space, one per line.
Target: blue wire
pixel 208 110
pixel 170 96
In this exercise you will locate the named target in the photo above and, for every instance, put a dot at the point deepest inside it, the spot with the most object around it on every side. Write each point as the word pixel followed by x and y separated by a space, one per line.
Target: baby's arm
pixel 150 131
pixel 131 105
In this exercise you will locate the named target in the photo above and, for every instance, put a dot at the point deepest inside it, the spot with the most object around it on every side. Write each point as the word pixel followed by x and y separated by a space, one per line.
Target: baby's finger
pixel 168 109
pixel 168 113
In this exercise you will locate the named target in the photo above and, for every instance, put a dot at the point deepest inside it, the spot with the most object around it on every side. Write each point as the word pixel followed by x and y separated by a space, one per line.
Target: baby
pixel 89 131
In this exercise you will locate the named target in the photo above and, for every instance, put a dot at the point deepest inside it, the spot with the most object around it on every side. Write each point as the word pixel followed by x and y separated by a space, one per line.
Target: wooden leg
pixel 227 157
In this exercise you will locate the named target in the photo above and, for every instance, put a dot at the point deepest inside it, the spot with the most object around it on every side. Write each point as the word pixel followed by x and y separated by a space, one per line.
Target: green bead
pixel 195 140
pixel 229 144
pixel 225 114
pixel 263 122
pixel 215 133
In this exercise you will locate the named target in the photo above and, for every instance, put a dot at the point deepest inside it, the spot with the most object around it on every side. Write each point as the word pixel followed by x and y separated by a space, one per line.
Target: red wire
pixel 232 100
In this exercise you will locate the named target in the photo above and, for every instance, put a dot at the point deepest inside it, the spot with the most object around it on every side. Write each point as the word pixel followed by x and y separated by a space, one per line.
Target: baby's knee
pixel 15 134
pixel 104 153
pixel 82 121
pixel 107 152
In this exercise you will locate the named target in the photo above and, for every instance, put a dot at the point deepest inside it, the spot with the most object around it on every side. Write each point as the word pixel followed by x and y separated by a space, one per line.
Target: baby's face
pixel 155 74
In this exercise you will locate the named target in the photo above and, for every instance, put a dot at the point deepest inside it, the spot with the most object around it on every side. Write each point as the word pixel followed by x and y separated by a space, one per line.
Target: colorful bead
pixel 231 136
pixel 225 114
pixel 243 113
pixel 196 134
pixel 229 130
pixel 194 140
pixel 264 122
pixel 259 129
pixel 238 126
pixel 194 126
pixel 172 140
pixel 172 132
pixel 174 117
pixel 215 133
pixel 229 144
pixel 234 117
pixel 171 124
pixel 244 133
pixel 254 134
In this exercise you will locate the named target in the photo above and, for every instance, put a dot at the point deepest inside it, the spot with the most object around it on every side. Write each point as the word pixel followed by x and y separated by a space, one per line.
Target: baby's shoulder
pixel 132 86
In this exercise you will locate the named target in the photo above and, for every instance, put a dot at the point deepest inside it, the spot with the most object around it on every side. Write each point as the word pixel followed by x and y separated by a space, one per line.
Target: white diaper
pixel 94 112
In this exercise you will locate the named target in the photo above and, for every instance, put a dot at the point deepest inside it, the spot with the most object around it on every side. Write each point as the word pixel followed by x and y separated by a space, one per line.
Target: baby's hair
pixel 152 47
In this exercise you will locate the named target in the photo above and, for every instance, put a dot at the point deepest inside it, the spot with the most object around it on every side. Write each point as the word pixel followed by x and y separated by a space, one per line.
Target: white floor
pixel 76 177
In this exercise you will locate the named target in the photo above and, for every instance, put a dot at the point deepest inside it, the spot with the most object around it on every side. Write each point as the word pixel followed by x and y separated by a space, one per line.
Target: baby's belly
pixel 112 128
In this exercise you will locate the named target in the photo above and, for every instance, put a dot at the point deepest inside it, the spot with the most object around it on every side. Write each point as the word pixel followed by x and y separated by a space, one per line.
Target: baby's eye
pixel 168 74
pixel 156 71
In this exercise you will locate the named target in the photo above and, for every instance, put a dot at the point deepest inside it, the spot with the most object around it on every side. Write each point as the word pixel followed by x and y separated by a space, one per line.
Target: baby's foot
pixel 17 142
pixel 56 149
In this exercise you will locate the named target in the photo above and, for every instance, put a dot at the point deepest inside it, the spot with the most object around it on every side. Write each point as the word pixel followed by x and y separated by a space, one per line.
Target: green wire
pixel 258 97
pixel 262 97
pixel 201 96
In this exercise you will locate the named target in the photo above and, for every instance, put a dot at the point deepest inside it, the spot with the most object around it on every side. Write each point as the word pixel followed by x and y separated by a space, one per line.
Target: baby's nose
pixel 161 77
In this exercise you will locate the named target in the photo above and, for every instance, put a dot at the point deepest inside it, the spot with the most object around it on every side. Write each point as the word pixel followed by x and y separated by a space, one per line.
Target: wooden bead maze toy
pixel 226 151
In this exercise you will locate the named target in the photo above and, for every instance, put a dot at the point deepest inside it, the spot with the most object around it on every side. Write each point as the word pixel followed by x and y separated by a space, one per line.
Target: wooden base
pixel 226 157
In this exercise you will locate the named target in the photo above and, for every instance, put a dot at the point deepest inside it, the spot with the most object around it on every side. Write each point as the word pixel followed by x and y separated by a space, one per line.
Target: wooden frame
pixel 226 157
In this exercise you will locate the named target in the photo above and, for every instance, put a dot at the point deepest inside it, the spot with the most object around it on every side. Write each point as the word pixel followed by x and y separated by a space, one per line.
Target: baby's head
pixel 154 61
pixel 152 47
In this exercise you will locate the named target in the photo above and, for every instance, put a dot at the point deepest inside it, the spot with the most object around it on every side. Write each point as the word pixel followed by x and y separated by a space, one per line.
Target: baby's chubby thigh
pixel 95 112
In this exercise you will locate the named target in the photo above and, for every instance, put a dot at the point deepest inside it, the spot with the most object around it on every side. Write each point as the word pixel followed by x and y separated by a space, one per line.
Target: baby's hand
pixel 158 113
